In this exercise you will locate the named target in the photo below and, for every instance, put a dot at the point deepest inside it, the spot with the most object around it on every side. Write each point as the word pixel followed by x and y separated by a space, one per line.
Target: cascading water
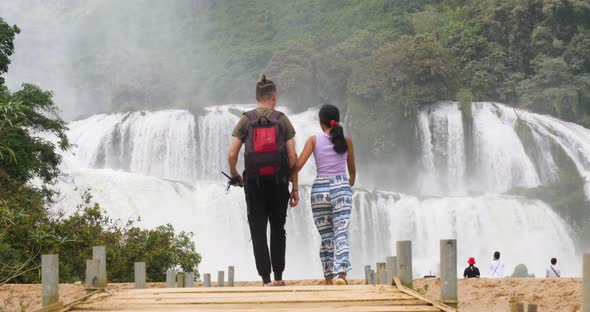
pixel 161 144
pixel 164 167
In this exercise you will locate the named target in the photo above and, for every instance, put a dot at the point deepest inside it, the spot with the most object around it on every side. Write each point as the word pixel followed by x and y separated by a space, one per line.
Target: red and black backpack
pixel 266 154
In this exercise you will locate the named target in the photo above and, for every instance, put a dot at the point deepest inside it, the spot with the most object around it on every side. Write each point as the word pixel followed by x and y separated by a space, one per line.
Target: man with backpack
pixel 270 153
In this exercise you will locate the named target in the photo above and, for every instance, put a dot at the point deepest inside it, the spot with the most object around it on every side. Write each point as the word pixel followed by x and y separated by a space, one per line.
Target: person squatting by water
pixel 471 271
pixel 553 270
pixel 497 266
pixel 331 193
pixel 268 136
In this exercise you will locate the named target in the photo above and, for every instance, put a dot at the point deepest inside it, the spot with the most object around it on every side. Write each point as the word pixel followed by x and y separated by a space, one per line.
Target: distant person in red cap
pixel 471 271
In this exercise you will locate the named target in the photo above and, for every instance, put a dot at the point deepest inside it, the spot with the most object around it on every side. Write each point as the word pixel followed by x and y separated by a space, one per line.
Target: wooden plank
pixel 302 305
pixel 276 299
pixel 356 298
pixel 267 289
pixel 83 298
pixel 275 308
pixel 58 306
pixel 293 294
pixel 417 295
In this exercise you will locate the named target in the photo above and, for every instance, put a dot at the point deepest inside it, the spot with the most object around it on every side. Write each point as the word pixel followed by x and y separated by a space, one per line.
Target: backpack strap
pixel 251 115
pixel 275 116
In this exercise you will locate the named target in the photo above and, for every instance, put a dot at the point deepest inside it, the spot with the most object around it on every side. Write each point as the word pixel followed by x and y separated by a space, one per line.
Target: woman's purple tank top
pixel 327 161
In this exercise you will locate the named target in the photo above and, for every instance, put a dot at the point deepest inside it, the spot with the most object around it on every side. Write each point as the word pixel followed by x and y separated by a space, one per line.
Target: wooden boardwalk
pixel 357 298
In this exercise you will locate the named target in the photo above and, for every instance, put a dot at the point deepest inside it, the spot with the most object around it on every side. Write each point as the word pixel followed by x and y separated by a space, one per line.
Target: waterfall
pixel 161 144
pixel 500 159
pixel 163 167
pixel 443 153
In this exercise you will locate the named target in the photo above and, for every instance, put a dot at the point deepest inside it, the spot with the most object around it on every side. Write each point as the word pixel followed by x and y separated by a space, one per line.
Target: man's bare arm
pixel 294 197
pixel 292 153
pixel 232 156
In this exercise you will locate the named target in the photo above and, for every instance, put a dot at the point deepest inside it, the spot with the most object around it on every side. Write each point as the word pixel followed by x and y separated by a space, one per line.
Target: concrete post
pixel 49 279
pixel 180 280
pixel 189 280
pixel 207 280
pixel 586 284
pixel 391 269
pixel 373 278
pixel 381 273
pixel 170 278
pixel 404 262
pixel 140 275
pixel 448 272
pixel 99 253
pixel 367 274
pixel 92 274
pixel 516 306
pixel 532 308
pixel 220 278
pixel 230 276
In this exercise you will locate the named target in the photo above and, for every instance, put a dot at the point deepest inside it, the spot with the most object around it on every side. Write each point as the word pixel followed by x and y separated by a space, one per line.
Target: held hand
pixel 237 180
pixel 294 198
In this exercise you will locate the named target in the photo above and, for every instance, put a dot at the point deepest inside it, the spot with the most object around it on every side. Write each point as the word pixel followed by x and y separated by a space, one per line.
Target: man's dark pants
pixel 267 201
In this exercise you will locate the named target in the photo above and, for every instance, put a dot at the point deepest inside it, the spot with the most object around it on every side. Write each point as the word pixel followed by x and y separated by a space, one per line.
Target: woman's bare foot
pixel 278 283
pixel 329 281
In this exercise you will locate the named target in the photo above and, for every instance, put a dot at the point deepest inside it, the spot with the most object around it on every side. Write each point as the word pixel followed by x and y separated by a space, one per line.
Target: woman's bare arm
pixel 305 154
pixel 350 162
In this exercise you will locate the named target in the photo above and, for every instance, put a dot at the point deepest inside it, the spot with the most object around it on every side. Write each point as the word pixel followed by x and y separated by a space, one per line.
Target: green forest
pixel 383 59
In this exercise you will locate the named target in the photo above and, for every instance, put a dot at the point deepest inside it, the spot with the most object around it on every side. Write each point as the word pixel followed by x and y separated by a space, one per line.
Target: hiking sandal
pixel 340 281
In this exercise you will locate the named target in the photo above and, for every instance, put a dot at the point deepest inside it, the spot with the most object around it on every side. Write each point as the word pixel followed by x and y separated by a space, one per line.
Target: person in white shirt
pixel 553 270
pixel 497 266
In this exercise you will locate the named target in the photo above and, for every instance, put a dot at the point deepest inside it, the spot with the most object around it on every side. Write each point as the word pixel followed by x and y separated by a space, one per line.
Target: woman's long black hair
pixel 330 117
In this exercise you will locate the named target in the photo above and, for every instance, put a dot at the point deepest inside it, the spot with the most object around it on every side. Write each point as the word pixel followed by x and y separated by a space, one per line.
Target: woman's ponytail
pixel 330 117
pixel 338 139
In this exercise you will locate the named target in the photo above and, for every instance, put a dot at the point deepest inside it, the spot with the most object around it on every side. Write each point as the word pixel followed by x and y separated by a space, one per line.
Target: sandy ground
pixel 475 295
pixel 488 295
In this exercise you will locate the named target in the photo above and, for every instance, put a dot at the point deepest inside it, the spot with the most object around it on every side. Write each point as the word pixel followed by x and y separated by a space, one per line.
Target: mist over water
pixel 102 56
pixel 165 166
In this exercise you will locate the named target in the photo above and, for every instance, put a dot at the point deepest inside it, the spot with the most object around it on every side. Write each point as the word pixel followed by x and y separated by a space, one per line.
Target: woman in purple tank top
pixel 331 193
